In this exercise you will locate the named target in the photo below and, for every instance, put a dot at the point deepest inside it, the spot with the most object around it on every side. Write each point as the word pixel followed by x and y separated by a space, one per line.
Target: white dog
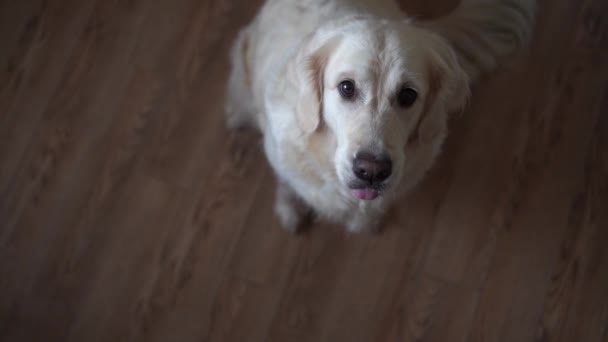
pixel 352 97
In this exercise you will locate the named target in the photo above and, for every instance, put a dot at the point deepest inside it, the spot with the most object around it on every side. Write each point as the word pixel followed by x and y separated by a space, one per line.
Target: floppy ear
pixel 306 73
pixel 448 90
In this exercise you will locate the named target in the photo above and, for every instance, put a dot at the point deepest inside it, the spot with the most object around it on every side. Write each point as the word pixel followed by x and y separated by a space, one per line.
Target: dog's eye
pixel 406 97
pixel 347 89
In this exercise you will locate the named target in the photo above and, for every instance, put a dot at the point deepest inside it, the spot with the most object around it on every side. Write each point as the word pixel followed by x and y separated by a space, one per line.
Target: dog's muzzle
pixel 371 171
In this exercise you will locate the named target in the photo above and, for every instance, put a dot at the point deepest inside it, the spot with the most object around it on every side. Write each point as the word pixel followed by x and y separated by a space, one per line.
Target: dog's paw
pixel 291 211
pixel 289 217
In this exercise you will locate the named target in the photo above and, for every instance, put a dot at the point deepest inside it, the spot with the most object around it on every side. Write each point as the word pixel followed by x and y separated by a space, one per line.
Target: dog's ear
pixel 306 72
pixel 448 89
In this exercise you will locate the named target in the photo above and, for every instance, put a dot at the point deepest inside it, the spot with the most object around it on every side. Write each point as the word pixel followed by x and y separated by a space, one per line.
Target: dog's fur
pixel 287 64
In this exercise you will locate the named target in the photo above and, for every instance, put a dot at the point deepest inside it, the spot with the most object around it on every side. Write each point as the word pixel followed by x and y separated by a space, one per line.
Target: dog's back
pixel 484 32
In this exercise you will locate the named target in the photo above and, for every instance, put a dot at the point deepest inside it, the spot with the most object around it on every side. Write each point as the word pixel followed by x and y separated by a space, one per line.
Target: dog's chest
pixel 310 176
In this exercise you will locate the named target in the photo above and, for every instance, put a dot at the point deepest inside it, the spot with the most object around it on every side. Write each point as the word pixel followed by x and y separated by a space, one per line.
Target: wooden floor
pixel 127 211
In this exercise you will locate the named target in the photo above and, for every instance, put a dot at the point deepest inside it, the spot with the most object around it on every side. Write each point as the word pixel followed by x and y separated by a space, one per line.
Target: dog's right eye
pixel 347 89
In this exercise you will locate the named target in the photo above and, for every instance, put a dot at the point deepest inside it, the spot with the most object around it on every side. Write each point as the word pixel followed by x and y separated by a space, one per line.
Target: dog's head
pixel 382 90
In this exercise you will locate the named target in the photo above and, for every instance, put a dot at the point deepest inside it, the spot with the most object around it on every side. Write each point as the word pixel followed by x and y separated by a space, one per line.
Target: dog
pixel 353 97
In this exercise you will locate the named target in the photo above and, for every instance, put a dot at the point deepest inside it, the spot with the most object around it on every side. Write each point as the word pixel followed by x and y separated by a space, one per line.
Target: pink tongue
pixel 365 194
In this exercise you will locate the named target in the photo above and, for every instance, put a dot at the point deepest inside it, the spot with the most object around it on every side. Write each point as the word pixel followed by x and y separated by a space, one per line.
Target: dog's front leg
pixel 291 210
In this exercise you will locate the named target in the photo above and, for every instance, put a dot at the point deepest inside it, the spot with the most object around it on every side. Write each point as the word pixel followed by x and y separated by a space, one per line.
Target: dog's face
pixel 384 91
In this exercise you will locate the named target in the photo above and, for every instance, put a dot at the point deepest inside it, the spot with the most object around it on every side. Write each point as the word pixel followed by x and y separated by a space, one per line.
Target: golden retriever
pixel 353 96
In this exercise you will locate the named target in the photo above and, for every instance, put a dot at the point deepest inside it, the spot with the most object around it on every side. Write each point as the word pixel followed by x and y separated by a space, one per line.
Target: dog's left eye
pixel 347 89
pixel 406 97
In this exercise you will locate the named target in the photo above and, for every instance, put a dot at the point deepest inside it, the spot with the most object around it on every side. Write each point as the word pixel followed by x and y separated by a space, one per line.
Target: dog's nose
pixel 372 168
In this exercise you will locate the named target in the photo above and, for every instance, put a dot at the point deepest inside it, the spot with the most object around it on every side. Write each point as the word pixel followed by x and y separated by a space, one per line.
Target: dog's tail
pixel 483 32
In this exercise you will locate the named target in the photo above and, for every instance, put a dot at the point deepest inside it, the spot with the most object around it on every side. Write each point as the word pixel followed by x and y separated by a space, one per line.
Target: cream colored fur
pixel 286 66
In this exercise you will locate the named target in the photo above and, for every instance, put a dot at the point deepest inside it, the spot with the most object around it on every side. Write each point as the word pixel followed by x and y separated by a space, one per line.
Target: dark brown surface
pixel 128 212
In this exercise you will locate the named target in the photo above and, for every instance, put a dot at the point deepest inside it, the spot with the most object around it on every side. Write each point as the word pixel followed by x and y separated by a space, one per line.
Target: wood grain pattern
pixel 128 212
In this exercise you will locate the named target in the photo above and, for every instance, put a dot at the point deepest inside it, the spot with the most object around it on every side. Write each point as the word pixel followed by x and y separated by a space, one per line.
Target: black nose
pixel 372 168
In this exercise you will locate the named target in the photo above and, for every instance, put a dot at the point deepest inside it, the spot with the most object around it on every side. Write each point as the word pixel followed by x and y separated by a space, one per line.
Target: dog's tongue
pixel 365 194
